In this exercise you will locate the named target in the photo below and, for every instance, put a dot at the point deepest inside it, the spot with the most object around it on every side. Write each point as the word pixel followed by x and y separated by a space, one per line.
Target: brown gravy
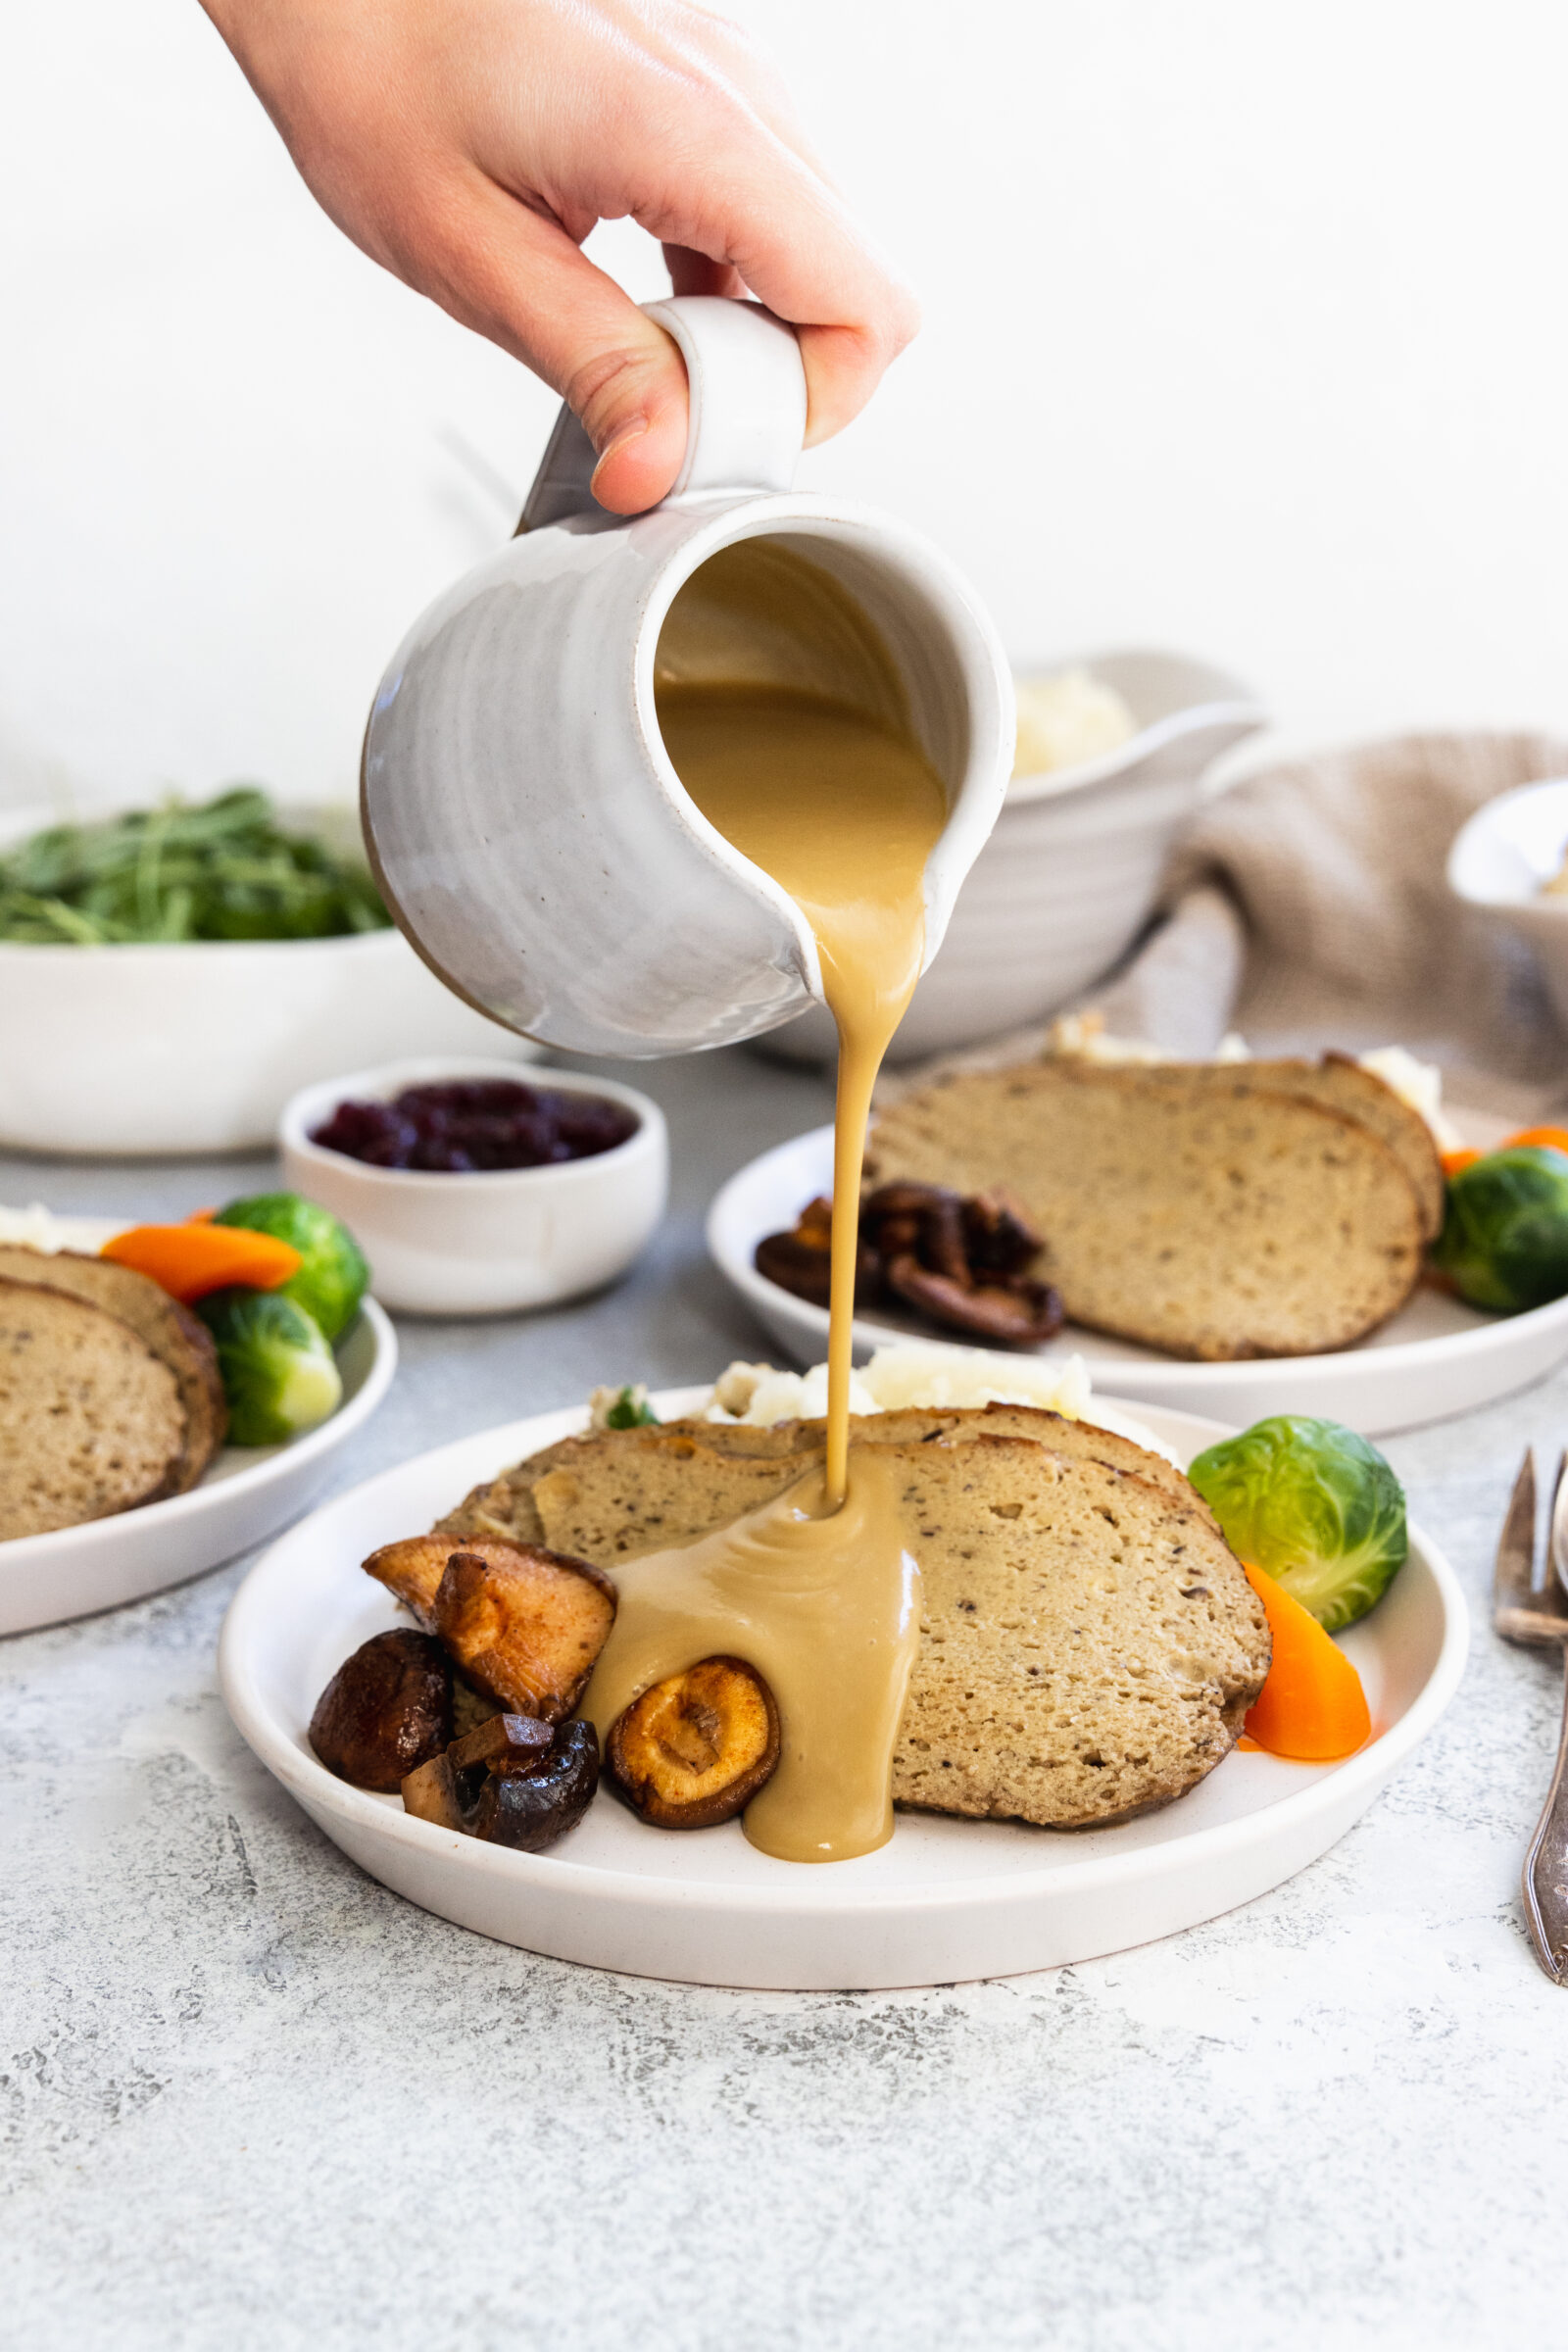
pixel 804 759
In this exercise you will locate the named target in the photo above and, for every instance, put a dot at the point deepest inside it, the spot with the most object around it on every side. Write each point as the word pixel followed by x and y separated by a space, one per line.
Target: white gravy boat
pixel 522 813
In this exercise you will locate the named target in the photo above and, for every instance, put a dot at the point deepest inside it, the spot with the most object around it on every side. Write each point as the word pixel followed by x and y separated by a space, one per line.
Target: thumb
pixel 519 278
pixel 628 388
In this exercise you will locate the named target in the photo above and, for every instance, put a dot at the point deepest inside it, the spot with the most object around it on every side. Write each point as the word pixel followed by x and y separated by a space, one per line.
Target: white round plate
pixel 944 1900
pixel 248 1492
pixel 1437 1356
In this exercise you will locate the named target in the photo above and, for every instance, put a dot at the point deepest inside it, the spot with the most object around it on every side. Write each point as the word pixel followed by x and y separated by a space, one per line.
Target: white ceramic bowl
pixel 1070 876
pixel 1499 861
pixel 489 1242
pixel 197 1047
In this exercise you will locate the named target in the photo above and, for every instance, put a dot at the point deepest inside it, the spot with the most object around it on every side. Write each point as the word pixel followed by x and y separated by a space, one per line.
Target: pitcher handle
pixel 746 387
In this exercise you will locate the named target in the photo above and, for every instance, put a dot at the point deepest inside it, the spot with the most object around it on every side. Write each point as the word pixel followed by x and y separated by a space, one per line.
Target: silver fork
pixel 1535 1614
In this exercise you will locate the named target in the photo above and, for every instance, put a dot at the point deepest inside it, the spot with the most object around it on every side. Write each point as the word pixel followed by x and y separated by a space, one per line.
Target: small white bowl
pixel 197 1046
pixel 490 1241
pixel 1499 860
pixel 1070 873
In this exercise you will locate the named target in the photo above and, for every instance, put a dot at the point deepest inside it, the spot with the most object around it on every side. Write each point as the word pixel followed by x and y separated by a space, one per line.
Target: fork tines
pixel 1523 1609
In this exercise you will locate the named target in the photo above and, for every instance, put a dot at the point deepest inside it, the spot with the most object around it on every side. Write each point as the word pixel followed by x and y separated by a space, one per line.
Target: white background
pixel 1244 333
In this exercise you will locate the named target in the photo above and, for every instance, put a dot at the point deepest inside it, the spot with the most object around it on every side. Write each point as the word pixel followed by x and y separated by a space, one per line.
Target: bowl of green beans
pixel 170 975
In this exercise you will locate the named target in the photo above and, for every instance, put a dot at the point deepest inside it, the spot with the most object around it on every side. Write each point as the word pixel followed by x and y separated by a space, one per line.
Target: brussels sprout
pixel 1504 1239
pixel 333 1277
pixel 1314 1506
pixel 279 1375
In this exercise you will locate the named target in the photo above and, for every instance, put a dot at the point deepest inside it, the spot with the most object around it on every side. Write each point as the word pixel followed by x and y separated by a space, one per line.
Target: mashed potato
pixel 35 1228
pixel 924 1373
pixel 1064 720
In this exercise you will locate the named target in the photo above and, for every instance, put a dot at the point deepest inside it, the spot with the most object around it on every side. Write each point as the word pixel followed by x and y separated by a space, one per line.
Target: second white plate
pixel 248 1492
pixel 1437 1356
pixel 944 1900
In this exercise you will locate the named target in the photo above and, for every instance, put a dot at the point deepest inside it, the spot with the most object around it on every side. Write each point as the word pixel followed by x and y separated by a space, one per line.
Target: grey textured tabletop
pixel 250 2098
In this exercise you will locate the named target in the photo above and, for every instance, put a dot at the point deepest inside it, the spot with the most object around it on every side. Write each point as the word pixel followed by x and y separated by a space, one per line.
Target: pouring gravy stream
pixel 829 794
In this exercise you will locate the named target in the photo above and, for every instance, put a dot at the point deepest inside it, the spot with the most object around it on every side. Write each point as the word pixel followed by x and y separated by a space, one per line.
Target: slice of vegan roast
pixel 91 1417
pixel 1089 1643
pixel 1200 1209
pixel 170 1330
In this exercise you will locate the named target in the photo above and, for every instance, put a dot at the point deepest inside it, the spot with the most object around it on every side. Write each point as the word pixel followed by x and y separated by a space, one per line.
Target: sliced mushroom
pixel 962 1263
pixel 386 1709
pixel 696 1748
pixel 529 1808
pixel 524 1624
pixel 514 1781
pixel 906 1200
pixel 998 1235
pixel 926 1219
pixel 800 1261
pixel 503 1743
pixel 795 1265
pixel 432 1793
pixel 412 1569
pixel 1019 1315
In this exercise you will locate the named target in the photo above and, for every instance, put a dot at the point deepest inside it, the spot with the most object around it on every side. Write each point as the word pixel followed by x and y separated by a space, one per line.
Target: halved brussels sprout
pixel 1314 1506
pixel 279 1375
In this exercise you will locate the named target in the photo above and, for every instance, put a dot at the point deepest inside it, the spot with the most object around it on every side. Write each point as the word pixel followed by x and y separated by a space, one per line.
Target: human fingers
pixel 517 277
pixel 759 210
pixel 693 274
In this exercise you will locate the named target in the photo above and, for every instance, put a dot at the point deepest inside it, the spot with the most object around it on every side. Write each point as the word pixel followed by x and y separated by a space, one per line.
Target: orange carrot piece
pixel 201 1217
pixel 1453 1162
pixel 190 1260
pixel 1311 1706
pixel 1547 1138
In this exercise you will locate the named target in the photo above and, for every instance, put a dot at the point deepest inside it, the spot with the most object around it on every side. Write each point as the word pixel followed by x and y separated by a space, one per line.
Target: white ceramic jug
pixel 524 818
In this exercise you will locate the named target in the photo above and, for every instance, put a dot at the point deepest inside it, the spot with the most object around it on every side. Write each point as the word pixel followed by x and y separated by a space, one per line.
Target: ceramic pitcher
pixel 524 818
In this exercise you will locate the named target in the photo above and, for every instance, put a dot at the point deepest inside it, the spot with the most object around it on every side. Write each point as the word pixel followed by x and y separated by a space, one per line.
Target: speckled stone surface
pixel 249 2099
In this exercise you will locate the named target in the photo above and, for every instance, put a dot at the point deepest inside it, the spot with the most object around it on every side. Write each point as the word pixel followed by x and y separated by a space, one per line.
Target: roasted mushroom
pixel 430 1793
pixel 523 1624
pixel 412 1571
pixel 998 1236
pixel 502 1744
pixel 925 1218
pixel 1017 1313
pixel 529 1808
pixel 387 1709
pixel 696 1748
pixel 514 1782
pixel 800 1261
pixel 961 1263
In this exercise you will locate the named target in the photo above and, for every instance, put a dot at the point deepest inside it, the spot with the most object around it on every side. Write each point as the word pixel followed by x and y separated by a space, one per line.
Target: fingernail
pixel 631 431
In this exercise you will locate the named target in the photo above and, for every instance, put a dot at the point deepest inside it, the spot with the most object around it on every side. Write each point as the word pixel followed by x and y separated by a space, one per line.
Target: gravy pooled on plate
pixel 786 722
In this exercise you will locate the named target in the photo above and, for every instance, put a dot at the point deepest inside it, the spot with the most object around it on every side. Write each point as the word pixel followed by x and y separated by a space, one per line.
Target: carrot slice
pixel 190 1260
pixel 1311 1706
pixel 1547 1138
pixel 1453 1162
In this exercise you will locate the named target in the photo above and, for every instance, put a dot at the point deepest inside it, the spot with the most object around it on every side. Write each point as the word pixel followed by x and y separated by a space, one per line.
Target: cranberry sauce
pixel 475 1123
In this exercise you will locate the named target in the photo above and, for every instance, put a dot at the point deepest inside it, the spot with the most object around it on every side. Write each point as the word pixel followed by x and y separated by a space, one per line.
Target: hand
pixel 470 145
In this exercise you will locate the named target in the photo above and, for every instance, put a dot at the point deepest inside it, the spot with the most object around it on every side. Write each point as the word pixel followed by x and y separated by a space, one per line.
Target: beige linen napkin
pixel 1308 909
